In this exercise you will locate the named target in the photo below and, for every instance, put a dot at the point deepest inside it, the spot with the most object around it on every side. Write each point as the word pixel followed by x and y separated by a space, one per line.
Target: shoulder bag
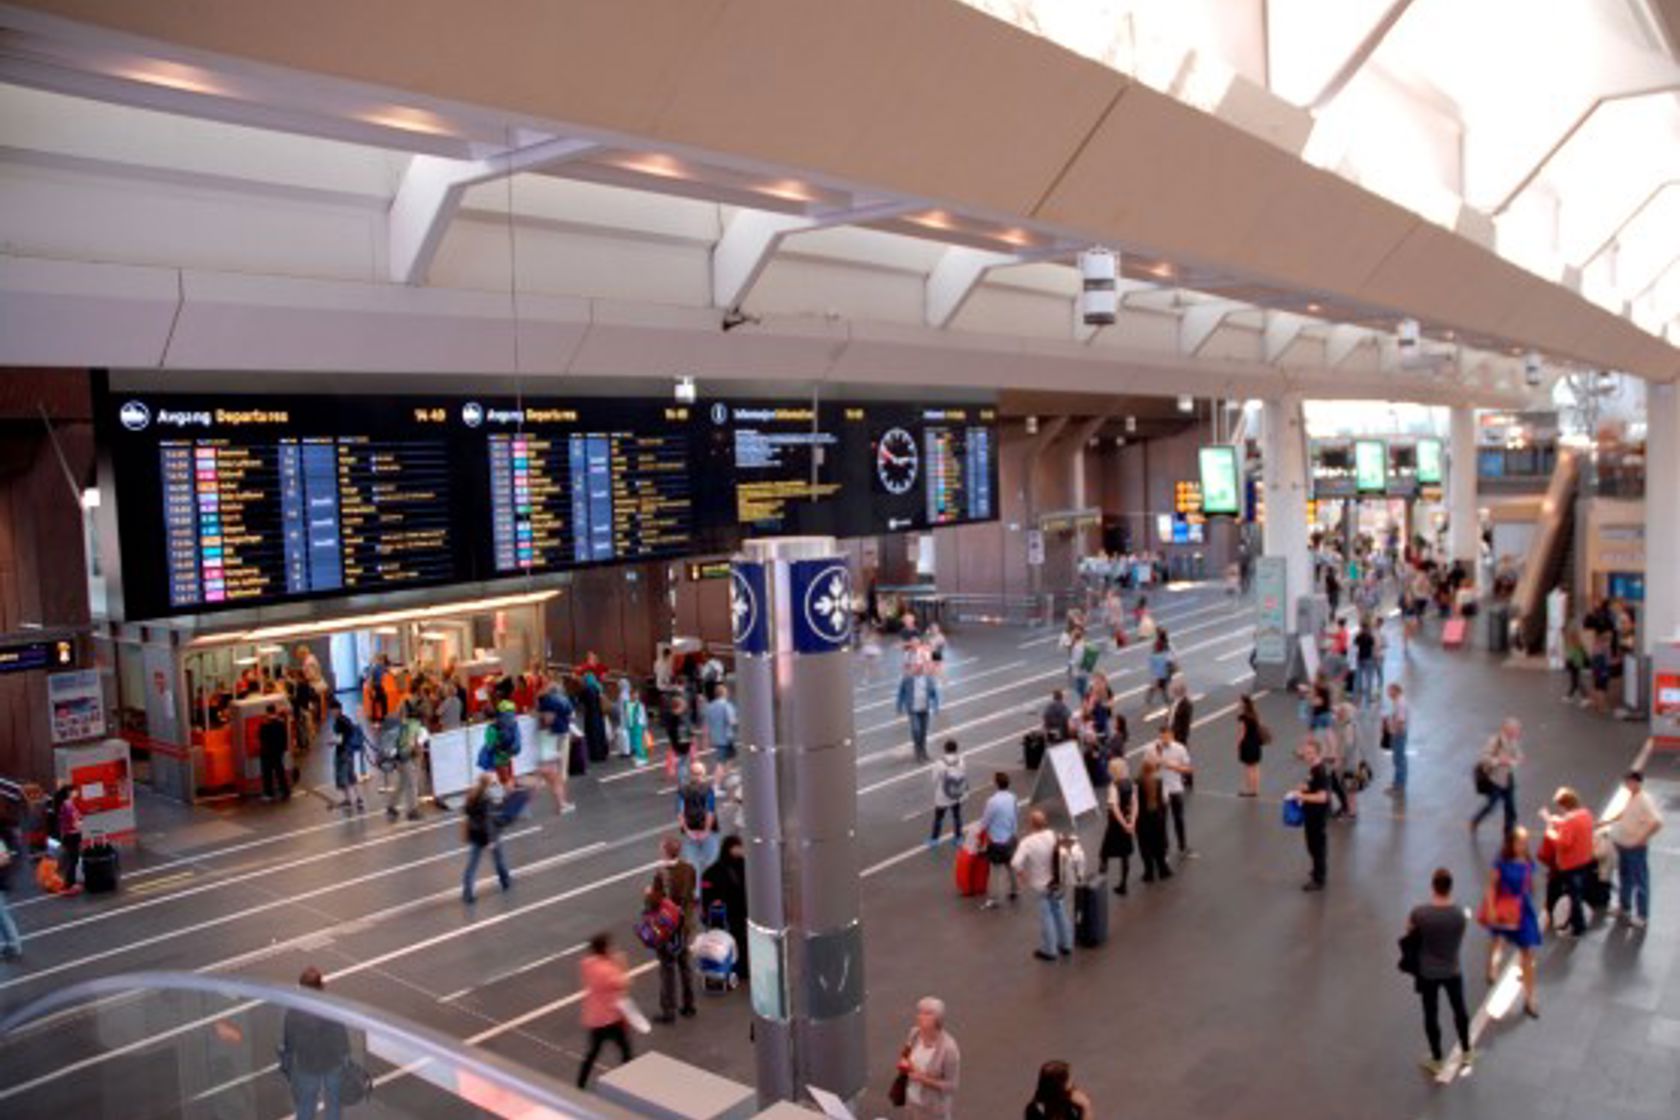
pixel 899 1094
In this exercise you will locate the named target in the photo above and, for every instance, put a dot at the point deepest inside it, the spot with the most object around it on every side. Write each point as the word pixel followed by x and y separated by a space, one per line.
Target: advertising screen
pixel 1220 493
pixel 1370 466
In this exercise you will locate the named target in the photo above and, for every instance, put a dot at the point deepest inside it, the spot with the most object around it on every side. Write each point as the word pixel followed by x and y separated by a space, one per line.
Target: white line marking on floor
pixel 400 832
pixel 1233 654
pixel 1160 619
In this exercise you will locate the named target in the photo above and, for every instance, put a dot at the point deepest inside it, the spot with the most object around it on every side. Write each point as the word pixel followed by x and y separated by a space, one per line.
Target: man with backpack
pixel 697 818
pixel 398 753
pixel 349 744
pixel 950 788
pixel 667 917
pixel 1050 866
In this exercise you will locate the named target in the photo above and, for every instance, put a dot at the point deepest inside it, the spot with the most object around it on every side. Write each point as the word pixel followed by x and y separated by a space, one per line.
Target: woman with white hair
pixel 930 1064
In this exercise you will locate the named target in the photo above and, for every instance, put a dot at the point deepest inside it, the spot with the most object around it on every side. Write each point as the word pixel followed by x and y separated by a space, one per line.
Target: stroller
pixel 714 952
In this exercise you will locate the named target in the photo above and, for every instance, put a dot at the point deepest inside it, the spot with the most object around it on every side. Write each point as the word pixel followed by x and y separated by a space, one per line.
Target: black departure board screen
pixel 919 466
pixel 247 500
pixel 784 458
pixel 588 482
pixel 252 502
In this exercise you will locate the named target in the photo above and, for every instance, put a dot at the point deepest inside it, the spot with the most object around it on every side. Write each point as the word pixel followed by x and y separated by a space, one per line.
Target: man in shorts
pixel 999 822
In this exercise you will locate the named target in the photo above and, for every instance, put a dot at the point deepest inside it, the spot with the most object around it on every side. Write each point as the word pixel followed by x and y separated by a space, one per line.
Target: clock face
pixel 896 461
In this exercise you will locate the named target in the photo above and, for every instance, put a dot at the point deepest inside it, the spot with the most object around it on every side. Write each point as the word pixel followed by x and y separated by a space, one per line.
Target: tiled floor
pixel 1225 993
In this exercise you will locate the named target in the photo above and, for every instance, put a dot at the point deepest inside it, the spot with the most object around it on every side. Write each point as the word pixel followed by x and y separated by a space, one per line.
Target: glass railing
pixel 167 1044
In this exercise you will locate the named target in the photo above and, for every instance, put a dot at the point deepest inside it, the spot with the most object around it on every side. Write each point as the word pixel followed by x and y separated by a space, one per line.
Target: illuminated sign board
pixel 1429 462
pixel 1220 481
pixel 1370 466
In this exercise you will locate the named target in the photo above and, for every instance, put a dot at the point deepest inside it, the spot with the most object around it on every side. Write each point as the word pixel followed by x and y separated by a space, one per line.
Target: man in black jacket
pixel 1180 715
pixel 271 753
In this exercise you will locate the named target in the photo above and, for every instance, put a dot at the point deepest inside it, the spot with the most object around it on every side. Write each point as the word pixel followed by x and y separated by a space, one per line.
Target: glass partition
pixel 183 1044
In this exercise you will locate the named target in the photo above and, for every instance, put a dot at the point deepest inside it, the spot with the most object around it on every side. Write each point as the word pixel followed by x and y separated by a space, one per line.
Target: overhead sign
pixel 1370 466
pixel 1429 462
pixel 1219 489
pixel 37 655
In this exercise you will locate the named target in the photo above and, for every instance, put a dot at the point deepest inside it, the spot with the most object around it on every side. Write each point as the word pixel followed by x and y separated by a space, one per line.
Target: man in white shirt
pixel 1050 870
pixel 1175 764
pixel 1631 830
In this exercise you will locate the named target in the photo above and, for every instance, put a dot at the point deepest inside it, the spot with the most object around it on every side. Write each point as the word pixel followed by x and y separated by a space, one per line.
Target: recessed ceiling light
pixel 170 75
pixel 1163 269
pixel 407 119
pixel 1315 308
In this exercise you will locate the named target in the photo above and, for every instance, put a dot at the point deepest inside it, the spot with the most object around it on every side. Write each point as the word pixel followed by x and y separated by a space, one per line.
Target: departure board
pixel 250 500
pixel 256 502
pixel 918 467
pixel 588 482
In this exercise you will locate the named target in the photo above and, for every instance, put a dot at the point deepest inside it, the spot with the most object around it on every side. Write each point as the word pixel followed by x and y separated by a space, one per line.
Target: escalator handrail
pixel 566 1102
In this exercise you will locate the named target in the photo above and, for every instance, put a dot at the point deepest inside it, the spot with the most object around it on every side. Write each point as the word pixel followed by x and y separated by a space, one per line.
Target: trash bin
pixel 1498 616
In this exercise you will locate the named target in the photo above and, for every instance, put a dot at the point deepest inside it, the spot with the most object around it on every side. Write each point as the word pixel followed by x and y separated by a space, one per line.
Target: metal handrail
pixel 561 1101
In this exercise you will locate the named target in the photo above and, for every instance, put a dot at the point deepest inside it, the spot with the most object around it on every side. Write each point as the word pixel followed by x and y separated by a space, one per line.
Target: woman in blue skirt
pixel 1508 913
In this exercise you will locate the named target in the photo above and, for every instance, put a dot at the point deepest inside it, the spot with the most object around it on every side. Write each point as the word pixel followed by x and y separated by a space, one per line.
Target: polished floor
pixel 1224 993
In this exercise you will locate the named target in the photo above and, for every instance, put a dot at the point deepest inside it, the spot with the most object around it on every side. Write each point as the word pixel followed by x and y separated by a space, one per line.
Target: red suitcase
pixel 972 872
pixel 1452 634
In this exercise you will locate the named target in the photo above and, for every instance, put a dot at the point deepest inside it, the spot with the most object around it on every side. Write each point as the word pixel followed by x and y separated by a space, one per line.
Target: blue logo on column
pixel 822 594
pixel 748 623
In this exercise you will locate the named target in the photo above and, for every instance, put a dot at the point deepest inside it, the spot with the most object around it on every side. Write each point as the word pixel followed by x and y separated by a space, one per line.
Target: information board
pixel 588 482
pixel 1068 767
pixel 1370 466
pixel 246 501
pixel 1429 462
pixel 1220 494
pixel 242 502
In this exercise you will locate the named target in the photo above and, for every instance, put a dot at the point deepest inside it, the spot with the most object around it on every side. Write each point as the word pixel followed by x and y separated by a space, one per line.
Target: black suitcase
pixel 1032 748
pixel 1090 913
pixel 577 757
pixel 99 868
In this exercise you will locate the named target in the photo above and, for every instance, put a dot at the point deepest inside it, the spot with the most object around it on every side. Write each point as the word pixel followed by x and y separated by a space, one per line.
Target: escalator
pixel 1551 550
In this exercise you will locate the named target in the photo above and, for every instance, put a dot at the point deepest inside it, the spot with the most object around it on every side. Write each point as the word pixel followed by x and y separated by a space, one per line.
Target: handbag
pixel 1294 813
pixel 1387 740
pixel 1484 781
pixel 355 1084
pixel 1499 911
pixel 899 1094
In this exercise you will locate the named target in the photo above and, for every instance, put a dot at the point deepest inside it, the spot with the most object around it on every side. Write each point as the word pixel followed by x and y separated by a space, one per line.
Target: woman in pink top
pixel 606 981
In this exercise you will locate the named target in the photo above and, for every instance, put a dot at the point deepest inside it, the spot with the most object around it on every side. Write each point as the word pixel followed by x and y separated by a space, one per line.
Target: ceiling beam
pixel 1572 131
pixel 1197 324
pixel 1344 340
pixel 752 238
pixel 430 194
pixel 957 273
pixel 1361 54
pixel 1282 329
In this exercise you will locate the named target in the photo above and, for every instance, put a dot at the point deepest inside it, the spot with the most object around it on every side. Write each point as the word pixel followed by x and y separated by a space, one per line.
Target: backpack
pixel 659 924
pixel 1088 660
pixel 694 807
pixel 953 784
pixel 507 733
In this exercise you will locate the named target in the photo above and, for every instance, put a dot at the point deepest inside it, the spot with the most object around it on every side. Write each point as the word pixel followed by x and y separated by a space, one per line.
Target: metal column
pixel 791 603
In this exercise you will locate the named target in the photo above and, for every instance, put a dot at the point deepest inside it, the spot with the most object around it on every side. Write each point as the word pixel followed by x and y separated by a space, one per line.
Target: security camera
pixel 735 317
pixel 684 390
pixel 1099 299
pixel 1410 336
pixel 1532 370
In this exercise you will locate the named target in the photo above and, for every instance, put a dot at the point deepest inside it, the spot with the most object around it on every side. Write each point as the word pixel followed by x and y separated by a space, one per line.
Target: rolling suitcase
pixel 1452 634
pixel 99 868
pixel 1090 913
pixel 972 872
pixel 1032 748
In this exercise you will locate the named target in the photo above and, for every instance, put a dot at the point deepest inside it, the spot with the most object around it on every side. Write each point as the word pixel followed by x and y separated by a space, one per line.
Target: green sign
pixel 1370 466
pixel 1429 462
pixel 1220 493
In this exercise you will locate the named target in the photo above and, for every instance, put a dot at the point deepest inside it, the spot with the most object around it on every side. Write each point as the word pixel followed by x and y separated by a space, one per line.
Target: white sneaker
pixel 1636 922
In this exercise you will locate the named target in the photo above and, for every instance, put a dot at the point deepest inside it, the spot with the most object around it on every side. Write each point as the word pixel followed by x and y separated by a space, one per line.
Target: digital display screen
pixel 243 502
pixel 1219 480
pixel 588 482
pixel 1429 462
pixel 786 460
pixel 1370 466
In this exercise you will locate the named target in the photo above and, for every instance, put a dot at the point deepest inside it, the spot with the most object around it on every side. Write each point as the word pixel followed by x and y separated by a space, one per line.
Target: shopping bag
pixel 1294 813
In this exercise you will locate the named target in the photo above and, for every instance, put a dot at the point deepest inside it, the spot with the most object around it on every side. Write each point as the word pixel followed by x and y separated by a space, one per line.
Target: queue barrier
pixel 454 754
